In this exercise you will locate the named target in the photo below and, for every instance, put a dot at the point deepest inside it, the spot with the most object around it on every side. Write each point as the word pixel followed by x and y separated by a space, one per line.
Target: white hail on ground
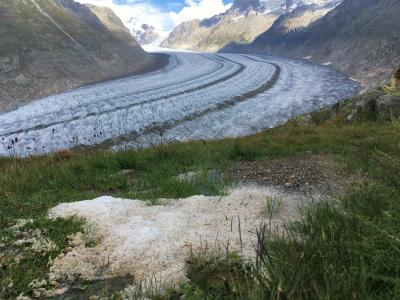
pixel 147 241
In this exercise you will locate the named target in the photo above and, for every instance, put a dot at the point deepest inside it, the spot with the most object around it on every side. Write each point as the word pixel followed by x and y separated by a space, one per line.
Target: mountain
pixel 143 33
pixel 113 23
pixel 242 23
pixel 359 37
pixel 48 46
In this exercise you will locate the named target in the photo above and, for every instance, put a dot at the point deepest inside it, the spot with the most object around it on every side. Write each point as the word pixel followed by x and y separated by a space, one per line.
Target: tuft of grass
pixel 272 206
pixel 216 274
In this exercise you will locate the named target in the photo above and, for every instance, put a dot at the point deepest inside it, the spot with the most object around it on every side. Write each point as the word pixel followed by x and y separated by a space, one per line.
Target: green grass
pixel 30 186
pixel 344 249
pixel 20 264
pixel 339 250
pixel 272 206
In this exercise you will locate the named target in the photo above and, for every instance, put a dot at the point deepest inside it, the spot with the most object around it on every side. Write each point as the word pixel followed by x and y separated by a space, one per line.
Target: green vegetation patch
pixel 27 249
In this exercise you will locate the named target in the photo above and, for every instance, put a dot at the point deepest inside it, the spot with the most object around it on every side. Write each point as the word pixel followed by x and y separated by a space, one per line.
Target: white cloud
pixel 143 12
pixel 147 13
pixel 201 9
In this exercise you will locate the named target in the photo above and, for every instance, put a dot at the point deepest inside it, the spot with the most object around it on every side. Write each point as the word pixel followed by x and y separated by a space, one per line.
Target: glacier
pixel 196 96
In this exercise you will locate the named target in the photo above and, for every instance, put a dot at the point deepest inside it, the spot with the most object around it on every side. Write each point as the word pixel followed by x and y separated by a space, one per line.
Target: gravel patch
pixel 310 175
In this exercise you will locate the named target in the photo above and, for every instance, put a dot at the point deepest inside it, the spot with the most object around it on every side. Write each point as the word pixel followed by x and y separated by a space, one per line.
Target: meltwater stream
pixel 197 96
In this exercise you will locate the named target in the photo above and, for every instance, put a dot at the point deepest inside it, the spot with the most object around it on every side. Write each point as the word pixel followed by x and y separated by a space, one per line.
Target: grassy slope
pixel 348 249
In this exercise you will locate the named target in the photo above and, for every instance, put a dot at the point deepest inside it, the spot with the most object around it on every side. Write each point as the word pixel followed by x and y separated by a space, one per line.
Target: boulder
pixel 355 107
pixel 387 108
pixel 21 80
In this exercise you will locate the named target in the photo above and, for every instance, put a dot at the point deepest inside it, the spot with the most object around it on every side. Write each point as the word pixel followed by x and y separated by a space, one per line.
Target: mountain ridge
pixel 241 23
pixel 359 38
pixel 47 47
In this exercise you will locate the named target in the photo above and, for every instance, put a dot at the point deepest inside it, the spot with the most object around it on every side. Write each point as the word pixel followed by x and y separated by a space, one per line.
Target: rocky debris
pixel 312 174
pixel 353 108
pixel 375 104
pixel 146 241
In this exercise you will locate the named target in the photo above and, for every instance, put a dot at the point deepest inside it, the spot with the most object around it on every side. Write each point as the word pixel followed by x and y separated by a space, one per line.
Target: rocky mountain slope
pixel 358 37
pixel 48 46
pixel 242 23
pixel 143 33
pixel 113 23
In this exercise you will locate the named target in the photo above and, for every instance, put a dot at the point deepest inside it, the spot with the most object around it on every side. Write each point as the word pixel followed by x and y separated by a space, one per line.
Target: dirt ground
pixel 312 174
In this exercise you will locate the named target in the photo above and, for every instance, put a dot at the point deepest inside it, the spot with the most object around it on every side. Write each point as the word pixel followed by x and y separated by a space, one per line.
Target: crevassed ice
pixel 197 96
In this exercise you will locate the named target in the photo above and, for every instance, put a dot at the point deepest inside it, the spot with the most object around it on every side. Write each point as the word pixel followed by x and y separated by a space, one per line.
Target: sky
pixel 163 14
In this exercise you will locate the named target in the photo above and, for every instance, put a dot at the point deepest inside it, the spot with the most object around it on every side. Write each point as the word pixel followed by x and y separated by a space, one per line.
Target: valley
pixel 199 149
pixel 195 97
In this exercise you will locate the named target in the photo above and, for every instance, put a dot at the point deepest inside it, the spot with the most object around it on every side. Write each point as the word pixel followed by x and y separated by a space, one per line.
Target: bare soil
pixel 311 174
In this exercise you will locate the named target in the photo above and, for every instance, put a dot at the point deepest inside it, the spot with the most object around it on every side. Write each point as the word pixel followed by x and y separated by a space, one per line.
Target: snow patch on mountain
pixel 144 33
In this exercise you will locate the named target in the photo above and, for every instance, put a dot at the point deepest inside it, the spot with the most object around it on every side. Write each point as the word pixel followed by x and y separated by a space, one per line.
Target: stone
pixel 387 108
pixel 214 175
pixel 351 118
pixel 187 177
pixel 21 80
pixel 366 102
pixel 303 120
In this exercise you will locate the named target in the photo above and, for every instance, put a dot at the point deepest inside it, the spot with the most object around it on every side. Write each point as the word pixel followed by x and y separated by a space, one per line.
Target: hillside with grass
pixel 342 246
pixel 48 46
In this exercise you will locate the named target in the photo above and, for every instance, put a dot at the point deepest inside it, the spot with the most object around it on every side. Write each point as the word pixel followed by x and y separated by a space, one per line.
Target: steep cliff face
pixel 358 37
pixel 48 46
pixel 242 23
